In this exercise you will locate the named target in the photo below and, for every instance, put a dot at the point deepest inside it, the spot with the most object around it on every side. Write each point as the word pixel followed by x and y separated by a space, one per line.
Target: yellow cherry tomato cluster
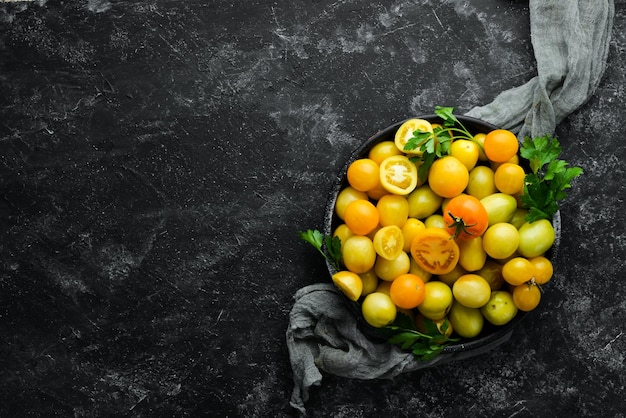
pixel 401 252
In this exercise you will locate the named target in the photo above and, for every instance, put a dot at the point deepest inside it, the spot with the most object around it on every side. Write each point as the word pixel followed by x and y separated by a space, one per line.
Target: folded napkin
pixel 570 40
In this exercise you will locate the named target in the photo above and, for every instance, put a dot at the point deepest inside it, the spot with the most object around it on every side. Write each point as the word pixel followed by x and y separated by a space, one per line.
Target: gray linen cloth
pixel 570 40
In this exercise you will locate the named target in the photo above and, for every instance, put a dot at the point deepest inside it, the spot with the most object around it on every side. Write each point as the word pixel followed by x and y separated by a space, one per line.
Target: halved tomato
pixel 389 242
pixel 398 175
pixel 405 133
pixel 434 250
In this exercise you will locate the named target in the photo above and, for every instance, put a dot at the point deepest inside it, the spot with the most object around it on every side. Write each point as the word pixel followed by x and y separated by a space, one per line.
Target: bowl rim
pixel 490 333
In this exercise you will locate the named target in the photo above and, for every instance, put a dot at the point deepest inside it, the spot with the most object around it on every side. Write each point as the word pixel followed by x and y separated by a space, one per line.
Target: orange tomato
pixel 363 174
pixel 448 176
pixel 407 291
pixel 466 217
pixel 361 216
pixel 509 178
pixel 434 250
pixel 500 145
pixel 526 296
pixel 543 269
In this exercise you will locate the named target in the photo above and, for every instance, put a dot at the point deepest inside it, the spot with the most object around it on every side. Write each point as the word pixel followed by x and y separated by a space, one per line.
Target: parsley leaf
pixel 424 345
pixel 549 178
pixel 319 241
pixel 436 144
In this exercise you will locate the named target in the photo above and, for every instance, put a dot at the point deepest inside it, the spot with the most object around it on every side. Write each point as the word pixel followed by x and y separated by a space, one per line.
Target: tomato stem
pixel 459 226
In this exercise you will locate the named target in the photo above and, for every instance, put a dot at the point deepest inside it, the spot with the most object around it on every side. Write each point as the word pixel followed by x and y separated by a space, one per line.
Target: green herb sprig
pixel 317 240
pixel 423 345
pixel 436 144
pixel 549 178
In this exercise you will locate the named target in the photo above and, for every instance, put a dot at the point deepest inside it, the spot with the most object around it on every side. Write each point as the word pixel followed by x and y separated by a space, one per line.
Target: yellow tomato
pixel 398 175
pixel 423 202
pixel 405 133
pixel 466 152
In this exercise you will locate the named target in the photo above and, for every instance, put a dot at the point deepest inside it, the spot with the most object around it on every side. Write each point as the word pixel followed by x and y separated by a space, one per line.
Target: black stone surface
pixel 158 157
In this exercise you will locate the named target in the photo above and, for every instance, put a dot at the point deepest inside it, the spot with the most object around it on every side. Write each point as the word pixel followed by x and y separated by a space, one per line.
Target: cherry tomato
pixel 361 216
pixel 388 242
pixel 492 272
pixel 500 241
pixel 420 272
pixel 543 269
pixel 452 276
pixel 358 254
pixel 472 254
pixel 500 207
pixel 370 282
pixel 392 210
pixel 519 217
pixel 410 228
pixel 407 291
pixel 398 175
pixel 363 174
pixel 437 300
pixel 349 283
pixel 448 176
pixel 466 152
pixel 535 238
pixel 345 197
pixel 467 322
pixel 423 202
pixel 526 296
pixel 471 290
pixel 509 178
pixel 479 139
pixel 435 251
pixel 435 221
pixel 405 132
pixel 500 308
pixel 481 182
pixel 378 309
pixel 343 233
pixel 466 217
pixel 518 270
pixel 382 150
pixel 500 145
pixel 390 269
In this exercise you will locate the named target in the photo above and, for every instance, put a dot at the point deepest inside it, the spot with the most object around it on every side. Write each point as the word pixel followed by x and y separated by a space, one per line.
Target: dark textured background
pixel 158 157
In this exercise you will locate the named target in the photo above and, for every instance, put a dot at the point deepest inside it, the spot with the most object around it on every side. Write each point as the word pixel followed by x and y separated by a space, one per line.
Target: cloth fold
pixel 570 40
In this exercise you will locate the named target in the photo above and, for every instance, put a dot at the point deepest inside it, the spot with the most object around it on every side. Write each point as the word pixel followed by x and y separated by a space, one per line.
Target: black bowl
pixel 490 334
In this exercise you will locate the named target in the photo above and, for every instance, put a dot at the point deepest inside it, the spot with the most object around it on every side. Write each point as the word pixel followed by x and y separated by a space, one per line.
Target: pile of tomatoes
pixel 451 248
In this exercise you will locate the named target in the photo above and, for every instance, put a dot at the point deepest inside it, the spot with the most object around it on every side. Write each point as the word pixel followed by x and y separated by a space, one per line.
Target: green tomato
pixel 423 202
pixel 500 308
pixel 437 300
pixel 481 182
pixel 500 207
pixel 492 272
pixel 471 290
pixel 518 218
pixel 535 238
pixel 501 240
pixel 467 322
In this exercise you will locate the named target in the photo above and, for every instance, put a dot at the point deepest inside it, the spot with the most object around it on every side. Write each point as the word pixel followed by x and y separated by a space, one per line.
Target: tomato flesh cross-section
pixel 434 250
pixel 398 175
